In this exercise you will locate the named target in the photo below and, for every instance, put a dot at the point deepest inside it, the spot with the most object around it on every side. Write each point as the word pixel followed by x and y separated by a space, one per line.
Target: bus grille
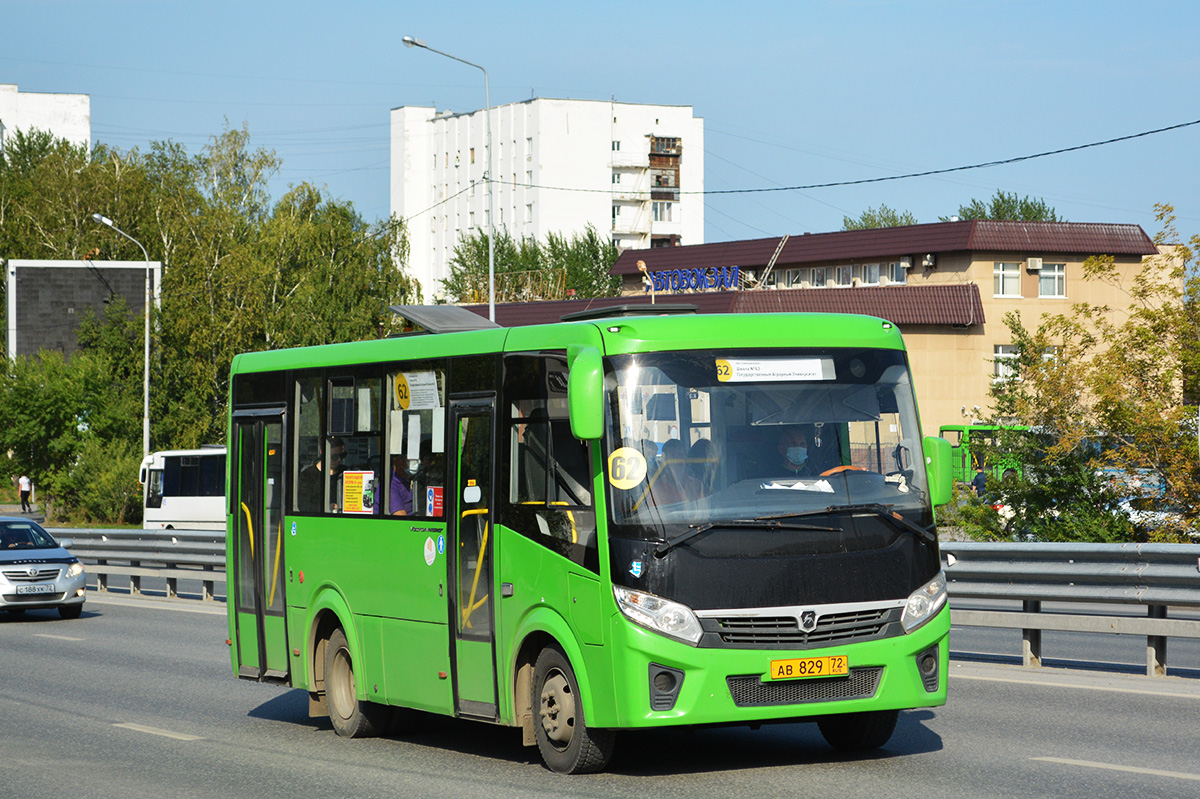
pixel 785 632
pixel 751 691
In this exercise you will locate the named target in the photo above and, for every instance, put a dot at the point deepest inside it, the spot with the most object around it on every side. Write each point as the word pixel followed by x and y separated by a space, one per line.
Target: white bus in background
pixel 184 489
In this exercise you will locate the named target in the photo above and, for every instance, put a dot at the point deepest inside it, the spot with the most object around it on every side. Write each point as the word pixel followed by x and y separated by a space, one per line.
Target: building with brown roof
pixel 947 286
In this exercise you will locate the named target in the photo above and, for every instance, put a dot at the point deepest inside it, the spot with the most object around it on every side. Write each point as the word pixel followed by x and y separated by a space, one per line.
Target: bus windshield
pixel 703 437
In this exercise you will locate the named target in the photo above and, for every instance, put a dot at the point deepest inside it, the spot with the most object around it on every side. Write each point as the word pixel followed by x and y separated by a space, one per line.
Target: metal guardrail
pixel 171 555
pixel 1116 577
pixel 1149 576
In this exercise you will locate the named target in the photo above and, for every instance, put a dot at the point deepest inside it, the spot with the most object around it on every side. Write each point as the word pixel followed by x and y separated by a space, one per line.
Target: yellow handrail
pixel 249 529
pixel 275 571
pixel 472 605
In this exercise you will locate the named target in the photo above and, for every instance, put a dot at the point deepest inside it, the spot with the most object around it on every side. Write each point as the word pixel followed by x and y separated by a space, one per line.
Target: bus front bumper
pixel 660 681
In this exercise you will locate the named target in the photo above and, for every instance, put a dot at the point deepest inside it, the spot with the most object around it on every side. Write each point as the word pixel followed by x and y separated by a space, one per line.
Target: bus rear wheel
pixel 856 732
pixel 563 738
pixel 351 718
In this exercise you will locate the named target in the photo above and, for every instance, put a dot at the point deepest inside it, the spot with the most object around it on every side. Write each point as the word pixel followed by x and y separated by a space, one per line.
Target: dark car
pixel 38 572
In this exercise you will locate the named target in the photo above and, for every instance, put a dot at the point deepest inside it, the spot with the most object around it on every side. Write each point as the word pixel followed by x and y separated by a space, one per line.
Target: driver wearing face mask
pixel 793 449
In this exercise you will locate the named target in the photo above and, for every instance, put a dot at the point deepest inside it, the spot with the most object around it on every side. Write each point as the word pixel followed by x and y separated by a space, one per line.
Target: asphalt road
pixel 136 699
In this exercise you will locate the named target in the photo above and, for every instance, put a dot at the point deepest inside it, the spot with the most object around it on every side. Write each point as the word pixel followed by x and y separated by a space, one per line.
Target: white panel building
pixel 67 116
pixel 634 172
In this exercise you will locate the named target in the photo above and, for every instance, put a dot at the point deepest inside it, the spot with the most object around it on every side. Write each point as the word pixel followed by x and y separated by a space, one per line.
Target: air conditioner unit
pixel 929 261
pixel 1034 264
pixel 906 262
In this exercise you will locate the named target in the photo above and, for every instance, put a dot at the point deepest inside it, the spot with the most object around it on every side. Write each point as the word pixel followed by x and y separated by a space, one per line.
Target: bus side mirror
pixel 585 392
pixel 938 470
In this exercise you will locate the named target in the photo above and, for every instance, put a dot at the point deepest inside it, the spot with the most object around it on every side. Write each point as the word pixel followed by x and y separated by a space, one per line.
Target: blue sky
pixel 792 93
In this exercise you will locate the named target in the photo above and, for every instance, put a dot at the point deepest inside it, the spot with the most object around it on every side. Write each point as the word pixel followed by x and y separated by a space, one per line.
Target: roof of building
pixel 1084 238
pixel 953 304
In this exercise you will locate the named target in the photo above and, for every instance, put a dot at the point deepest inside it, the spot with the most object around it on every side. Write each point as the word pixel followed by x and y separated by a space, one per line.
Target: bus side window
pixel 549 494
pixel 306 462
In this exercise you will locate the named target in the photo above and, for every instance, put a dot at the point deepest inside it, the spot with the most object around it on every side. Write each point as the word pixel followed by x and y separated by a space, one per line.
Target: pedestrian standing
pixel 26 486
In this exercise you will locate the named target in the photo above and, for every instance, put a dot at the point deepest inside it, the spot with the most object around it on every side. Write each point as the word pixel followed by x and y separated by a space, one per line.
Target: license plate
pixel 797 668
pixel 45 588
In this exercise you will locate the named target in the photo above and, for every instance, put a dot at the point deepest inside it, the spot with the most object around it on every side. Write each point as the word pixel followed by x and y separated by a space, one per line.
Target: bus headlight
pixel 658 614
pixel 924 603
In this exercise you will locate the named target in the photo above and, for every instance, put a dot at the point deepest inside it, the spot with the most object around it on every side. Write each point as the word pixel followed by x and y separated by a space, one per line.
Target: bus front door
pixel 256 503
pixel 472 541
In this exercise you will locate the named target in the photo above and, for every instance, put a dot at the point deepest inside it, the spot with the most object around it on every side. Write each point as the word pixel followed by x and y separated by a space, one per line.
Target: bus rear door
pixel 256 503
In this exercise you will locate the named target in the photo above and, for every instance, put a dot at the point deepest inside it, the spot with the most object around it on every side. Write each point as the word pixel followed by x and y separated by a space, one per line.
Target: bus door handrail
pixel 472 605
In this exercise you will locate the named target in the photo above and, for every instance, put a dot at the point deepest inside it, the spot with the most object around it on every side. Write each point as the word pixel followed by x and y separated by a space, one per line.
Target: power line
pixel 885 178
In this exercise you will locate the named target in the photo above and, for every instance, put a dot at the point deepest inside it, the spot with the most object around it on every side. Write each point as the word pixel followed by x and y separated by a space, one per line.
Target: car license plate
pixel 797 668
pixel 37 588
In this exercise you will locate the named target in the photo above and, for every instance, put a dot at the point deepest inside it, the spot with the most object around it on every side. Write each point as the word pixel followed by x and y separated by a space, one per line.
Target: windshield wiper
pixel 764 523
pixel 874 508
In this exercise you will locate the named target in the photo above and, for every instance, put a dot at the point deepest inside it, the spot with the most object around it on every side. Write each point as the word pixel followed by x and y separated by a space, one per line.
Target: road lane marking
pixel 1179 775
pixel 1055 684
pixel 179 736
pixel 57 637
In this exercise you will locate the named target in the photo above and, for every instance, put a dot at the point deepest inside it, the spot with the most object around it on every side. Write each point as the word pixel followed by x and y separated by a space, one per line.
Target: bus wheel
pixel 855 732
pixel 351 718
pixel 563 738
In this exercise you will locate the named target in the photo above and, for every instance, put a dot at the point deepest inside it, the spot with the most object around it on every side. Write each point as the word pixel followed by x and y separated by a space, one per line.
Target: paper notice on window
pixel 417 391
pixel 819 486
pixel 773 370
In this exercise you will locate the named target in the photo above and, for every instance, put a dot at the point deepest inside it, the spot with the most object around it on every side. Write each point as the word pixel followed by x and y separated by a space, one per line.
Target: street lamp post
pixel 410 41
pixel 104 220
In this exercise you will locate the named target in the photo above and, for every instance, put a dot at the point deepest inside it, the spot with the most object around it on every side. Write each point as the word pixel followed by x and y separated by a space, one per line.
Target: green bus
pixel 591 526
pixel 971 444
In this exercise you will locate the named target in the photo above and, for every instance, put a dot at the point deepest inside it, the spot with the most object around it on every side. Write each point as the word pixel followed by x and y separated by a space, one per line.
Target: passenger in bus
pixel 400 495
pixel 671 485
pixel 702 468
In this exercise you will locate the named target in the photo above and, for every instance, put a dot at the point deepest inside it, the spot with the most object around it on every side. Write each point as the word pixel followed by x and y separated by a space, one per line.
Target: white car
pixel 38 572
pixel 1152 513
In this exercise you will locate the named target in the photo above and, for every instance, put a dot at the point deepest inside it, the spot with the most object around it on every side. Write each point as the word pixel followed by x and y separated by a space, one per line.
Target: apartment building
pixel 634 172
pixel 67 116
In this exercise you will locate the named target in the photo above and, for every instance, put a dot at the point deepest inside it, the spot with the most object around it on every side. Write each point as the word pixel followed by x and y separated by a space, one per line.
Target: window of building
pixel 820 277
pixel 897 274
pixel 616 213
pixel 663 211
pixel 471 219
pixel 1052 280
pixel 1004 361
pixel 616 177
pixel 616 145
pixel 794 278
pixel 529 214
pixel 1006 279
pixel 529 178
pixel 870 274
pixel 472 155
pixel 843 276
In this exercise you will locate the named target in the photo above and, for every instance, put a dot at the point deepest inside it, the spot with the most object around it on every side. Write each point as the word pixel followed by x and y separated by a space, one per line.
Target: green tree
pixel 528 270
pixel 1006 207
pixel 241 272
pixel 1104 391
pixel 873 218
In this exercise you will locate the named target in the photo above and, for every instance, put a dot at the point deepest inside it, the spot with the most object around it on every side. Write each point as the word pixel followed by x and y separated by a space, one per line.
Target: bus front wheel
pixel 351 718
pixel 563 738
pixel 856 732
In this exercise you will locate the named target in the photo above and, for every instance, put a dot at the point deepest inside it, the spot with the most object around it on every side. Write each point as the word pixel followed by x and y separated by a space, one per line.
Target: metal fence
pixel 1116 577
pixel 170 555
pixel 1102 582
